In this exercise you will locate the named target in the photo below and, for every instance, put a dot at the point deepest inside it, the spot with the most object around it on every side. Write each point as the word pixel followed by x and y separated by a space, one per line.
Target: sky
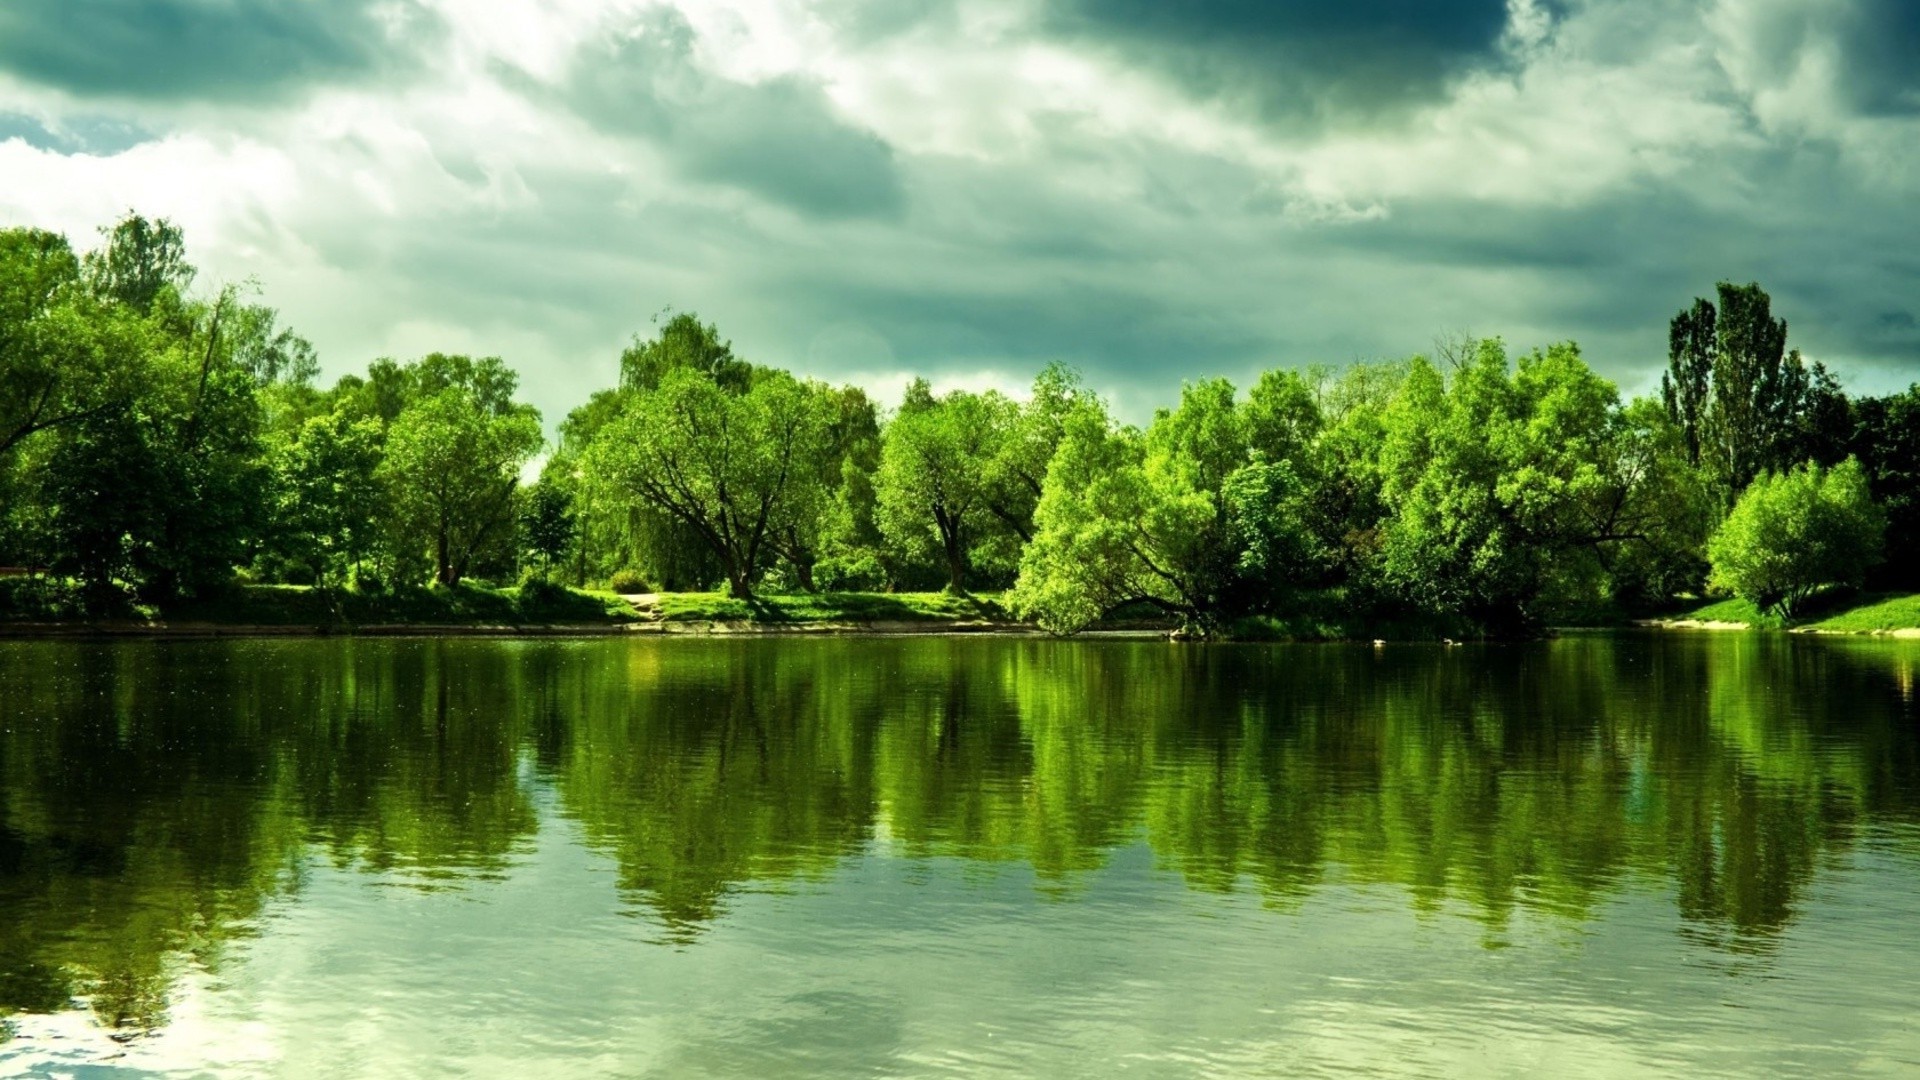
pixel 863 190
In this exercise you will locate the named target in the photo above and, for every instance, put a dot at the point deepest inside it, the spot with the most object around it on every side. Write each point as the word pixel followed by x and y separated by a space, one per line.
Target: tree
pixel 1084 559
pixel 1505 487
pixel 725 465
pixel 547 524
pixel 683 343
pixel 328 500
pixel 814 509
pixel 64 356
pixel 1735 391
pixel 1033 432
pixel 1152 518
pixel 452 465
pixel 1886 438
pixel 1793 533
pixel 934 482
pixel 143 263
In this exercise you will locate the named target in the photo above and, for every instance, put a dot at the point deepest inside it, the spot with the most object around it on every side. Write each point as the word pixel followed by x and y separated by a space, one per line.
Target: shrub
pixel 859 572
pixel 627 582
pixel 540 593
pixel 1794 533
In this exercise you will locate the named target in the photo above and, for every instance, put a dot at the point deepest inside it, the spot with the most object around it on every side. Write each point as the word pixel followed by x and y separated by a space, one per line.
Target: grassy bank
pixel 1870 613
pixel 300 606
pixel 855 608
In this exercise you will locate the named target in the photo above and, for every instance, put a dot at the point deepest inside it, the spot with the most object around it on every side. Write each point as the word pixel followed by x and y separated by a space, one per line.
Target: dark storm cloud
pixel 197 49
pixel 1882 48
pixel 779 139
pixel 1296 58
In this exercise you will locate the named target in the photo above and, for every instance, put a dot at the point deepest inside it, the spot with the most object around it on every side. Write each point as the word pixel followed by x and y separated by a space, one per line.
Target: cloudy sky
pixel 1152 190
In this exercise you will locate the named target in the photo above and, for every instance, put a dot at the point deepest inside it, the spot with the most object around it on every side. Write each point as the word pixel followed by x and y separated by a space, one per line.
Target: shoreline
pixel 1905 633
pixel 690 628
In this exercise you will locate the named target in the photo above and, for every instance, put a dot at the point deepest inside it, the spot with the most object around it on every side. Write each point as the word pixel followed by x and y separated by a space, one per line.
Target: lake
pixel 1602 855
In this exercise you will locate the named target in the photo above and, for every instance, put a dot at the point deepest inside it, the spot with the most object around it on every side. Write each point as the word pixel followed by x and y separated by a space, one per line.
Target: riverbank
pixel 480 610
pixel 1874 614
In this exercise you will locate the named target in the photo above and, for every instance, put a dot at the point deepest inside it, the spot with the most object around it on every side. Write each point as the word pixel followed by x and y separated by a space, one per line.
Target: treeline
pixel 158 444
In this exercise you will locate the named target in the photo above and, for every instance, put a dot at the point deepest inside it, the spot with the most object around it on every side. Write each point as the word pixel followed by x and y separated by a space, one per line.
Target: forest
pixel 162 443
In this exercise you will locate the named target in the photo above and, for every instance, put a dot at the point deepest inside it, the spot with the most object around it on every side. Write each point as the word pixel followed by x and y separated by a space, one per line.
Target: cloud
pixel 966 190
pixel 225 50
pixel 1300 58
pixel 779 138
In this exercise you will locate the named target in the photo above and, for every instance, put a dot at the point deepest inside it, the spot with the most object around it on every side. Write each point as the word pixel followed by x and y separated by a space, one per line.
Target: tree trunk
pixel 803 569
pixel 956 560
pixel 738 586
pixel 443 562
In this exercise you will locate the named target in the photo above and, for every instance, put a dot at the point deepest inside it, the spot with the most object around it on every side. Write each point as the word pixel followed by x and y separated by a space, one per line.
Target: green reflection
pixel 156 796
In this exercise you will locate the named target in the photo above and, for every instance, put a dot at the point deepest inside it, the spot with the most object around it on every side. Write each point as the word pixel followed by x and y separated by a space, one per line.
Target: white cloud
pixel 1056 202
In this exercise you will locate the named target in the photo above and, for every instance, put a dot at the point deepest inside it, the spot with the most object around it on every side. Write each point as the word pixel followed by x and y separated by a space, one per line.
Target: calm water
pixel 1605 855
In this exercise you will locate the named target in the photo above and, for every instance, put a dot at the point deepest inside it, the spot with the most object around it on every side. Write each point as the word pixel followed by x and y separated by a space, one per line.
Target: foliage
pixel 1744 403
pixel 1795 532
pixel 163 438
pixel 547 523
pixel 627 583
pixel 452 465
pixel 935 482
pixel 726 465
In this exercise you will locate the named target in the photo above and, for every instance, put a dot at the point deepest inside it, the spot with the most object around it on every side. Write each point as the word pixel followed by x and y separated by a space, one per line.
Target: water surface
pixel 1604 855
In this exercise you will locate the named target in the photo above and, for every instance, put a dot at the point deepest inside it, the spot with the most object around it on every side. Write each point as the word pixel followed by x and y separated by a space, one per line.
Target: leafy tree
pixel 934 482
pixel 684 343
pixel 328 497
pixel 1886 438
pixel 143 264
pixel 452 464
pixel 724 465
pixel 1033 430
pixel 1796 532
pixel 547 526
pixel 1130 518
pixel 1084 560
pixel 64 356
pixel 1733 388
pixel 1505 486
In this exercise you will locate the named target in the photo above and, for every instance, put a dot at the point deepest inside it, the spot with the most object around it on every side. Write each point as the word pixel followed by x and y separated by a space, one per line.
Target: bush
pixel 37 598
pixel 540 593
pixel 627 583
pixel 1794 533
pixel 860 572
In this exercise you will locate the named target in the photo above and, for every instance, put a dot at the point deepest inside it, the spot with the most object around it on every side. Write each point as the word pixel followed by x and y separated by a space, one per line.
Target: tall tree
pixel 1732 386
pixel 725 465
pixel 934 482
pixel 452 466
pixel 142 263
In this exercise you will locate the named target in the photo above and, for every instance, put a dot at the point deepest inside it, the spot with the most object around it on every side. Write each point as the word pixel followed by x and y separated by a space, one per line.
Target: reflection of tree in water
pixel 155 797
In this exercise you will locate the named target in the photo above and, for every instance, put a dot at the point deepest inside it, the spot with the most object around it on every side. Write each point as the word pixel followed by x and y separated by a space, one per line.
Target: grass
pixel 1837 612
pixel 1875 613
pixel 839 607
pixel 302 605
pixel 1733 610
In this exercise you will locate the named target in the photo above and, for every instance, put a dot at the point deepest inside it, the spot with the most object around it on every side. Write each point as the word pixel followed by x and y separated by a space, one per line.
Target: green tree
pixel 547 524
pixel 328 499
pixel 452 464
pixel 1130 518
pixel 934 483
pixel 1794 533
pixel 683 343
pixel 727 466
pixel 1732 386
pixel 143 264
pixel 1886 438
pixel 64 356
